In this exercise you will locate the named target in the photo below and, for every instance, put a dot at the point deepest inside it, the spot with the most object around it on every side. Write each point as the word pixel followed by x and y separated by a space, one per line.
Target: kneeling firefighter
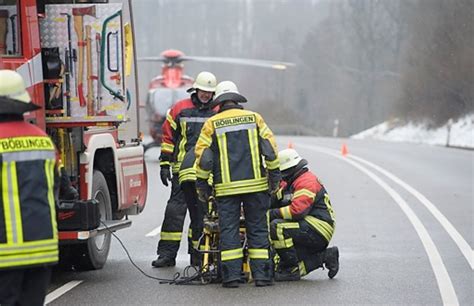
pixel 303 222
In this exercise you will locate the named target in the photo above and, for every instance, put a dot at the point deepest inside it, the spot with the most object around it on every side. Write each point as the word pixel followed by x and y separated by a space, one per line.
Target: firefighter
pixel 28 232
pixel 180 133
pixel 231 146
pixel 303 224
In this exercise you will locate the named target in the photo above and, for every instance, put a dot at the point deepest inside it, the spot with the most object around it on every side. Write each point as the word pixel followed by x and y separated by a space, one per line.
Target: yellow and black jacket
pixel 234 145
pixel 28 231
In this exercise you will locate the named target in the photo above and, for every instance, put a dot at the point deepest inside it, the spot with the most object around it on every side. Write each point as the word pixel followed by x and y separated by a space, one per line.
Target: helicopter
pixel 170 86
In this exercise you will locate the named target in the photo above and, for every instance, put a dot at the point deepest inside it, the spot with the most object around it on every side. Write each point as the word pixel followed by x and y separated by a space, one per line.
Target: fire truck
pixel 77 59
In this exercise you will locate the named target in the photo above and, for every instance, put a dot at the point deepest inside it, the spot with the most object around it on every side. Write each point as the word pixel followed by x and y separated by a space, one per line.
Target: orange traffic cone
pixel 344 150
pixel 290 145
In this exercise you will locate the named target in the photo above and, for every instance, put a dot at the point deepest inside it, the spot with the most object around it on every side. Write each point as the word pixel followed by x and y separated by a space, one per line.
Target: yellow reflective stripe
pixel 282 244
pixel 166 147
pixel 264 131
pixel 17 260
pixel 272 164
pixel 203 174
pixel 28 143
pixel 182 143
pixel 279 194
pixel 165 163
pixel 329 207
pixel 254 152
pixel 204 138
pixel 190 233
pixel 302 267
pixel 176 166
pixel 258 253
pixel 8 217
pixel 49 168
pixel 231 254
pixel 240 187
pixel 224 158
pixel 305 192
pixel 41 245
pixel 321 226
pixel 171 236
pixel 16 202
pixel 169 118
pixel 285 212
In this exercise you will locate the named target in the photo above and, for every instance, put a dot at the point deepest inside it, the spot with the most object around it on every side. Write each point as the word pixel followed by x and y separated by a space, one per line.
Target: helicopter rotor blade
pixel 241 61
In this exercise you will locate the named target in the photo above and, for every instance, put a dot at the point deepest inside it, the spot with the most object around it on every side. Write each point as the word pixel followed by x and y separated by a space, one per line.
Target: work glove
pixel 165 174
pixel 203 190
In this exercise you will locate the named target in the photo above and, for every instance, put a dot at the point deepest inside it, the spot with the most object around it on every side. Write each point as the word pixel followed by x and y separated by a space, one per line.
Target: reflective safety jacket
pixel 232 145
pixel 28 231
pixel 309 201
pixel 181 129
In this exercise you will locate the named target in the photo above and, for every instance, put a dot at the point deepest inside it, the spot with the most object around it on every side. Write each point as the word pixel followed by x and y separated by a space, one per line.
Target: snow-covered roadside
pixel 461 133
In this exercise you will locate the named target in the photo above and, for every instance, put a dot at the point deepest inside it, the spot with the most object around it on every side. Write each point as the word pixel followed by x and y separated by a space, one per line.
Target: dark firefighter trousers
pixel 196 214
pixel 255 206
pixel 24 286
pixel 172 227
pixel 297 244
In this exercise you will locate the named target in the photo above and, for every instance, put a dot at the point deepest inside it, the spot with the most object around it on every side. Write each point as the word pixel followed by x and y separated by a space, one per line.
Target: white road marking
pixel 61 290
pixel 450 229
pixel 154 232
pixel 448 294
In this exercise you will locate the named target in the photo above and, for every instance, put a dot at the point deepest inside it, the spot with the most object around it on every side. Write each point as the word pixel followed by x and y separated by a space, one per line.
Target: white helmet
pixel 228 91
pixel 14 99
pixel 288 159
pixel 13 86
pixel 205 81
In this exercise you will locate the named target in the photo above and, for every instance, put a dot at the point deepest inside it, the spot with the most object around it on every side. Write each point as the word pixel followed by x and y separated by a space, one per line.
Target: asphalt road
pixel 404 231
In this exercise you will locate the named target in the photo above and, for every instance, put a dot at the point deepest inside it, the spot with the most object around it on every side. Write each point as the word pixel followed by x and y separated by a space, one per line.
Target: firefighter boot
pixel 163 261
pixel 287 274
pixel 331 261
pixel 263 283
pixel 231 284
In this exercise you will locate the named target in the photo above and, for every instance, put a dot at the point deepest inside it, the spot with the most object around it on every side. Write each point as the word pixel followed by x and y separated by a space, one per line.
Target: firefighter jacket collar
pixel 11 106
pixel 199 104
pixel 296 174
pixel 230 106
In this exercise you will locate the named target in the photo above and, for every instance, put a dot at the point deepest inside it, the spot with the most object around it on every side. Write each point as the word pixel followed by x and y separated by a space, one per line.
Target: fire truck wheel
pixel 93 253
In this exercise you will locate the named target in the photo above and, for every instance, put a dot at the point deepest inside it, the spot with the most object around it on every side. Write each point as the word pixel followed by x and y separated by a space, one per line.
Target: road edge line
pixel 61 290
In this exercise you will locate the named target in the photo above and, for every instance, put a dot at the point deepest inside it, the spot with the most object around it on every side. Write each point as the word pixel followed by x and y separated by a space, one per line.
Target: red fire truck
pixel 77 59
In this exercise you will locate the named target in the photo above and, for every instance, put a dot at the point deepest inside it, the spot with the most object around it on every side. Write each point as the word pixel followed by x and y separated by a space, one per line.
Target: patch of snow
pixel 461 132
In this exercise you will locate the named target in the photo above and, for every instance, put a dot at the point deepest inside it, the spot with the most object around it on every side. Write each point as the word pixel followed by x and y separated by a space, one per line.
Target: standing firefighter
pixel 303 225
pixel 180 133
pixel 231 146
pixel 28 234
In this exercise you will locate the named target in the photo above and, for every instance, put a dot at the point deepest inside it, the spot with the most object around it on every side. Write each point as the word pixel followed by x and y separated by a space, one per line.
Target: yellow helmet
pixel 288 159
pixel 205 81
pixel 14 99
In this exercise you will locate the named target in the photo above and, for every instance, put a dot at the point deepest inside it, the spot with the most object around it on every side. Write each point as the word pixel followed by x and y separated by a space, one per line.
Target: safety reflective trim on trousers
pixel 166 147
pixel 182 143
pixel 49 169
pixel 224 158
pixel 272 164
pixel 193 119
pixel 28 143
pixel 302 267
pixel 285 225
pixel 322 227
pixel 286 212
pixel 305 192
pixel 18 260
pixel 231 254
pixel 282 244
pixel 204 138
pixel 171 236
pixel 170 119
pixel 38 246
pixel 234 128
pixel 195 244
pixel 28 156
pixel 254 152
pixel 258 254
